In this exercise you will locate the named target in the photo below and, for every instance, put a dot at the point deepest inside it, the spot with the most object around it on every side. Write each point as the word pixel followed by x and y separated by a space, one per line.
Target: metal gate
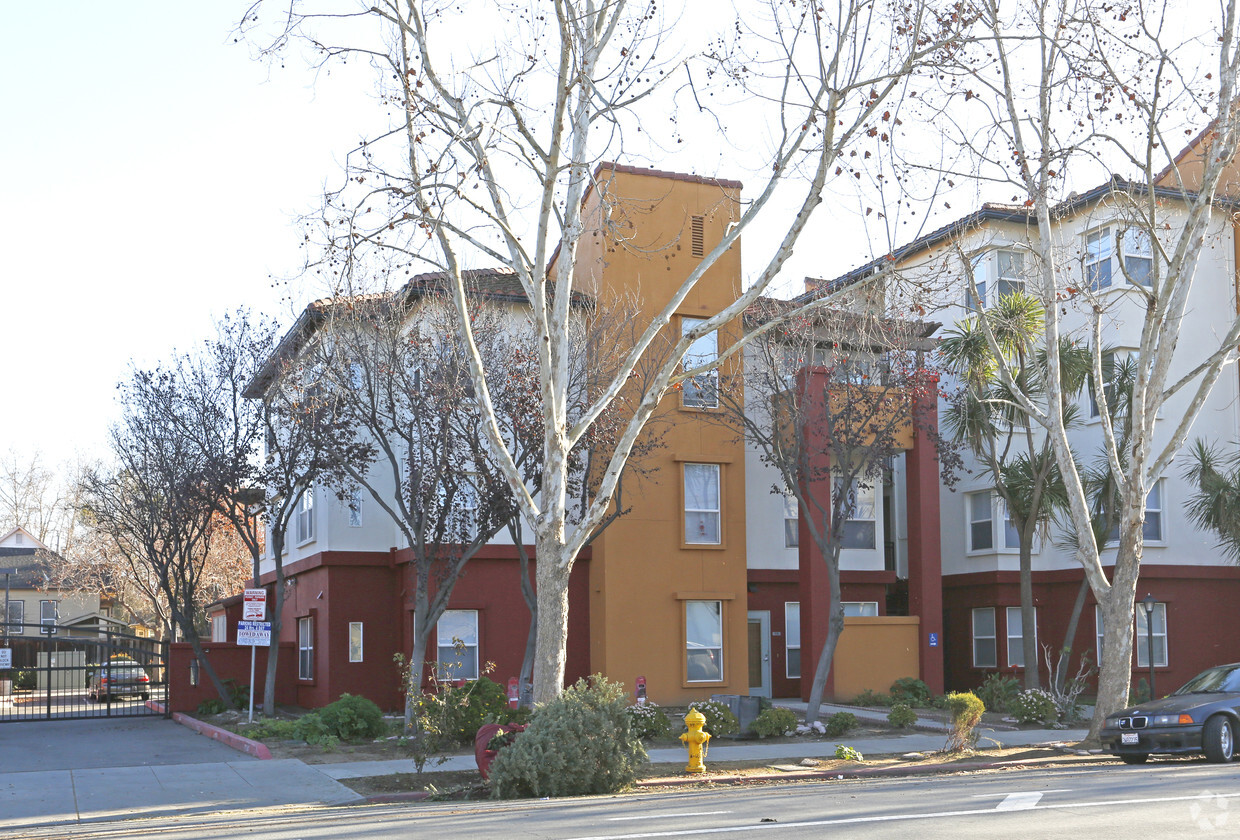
pixel 62 673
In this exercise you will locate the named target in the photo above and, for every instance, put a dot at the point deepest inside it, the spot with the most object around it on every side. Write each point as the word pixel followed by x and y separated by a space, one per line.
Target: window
pixel 467 499
pixel 1160 637
pixel 700 391
pixel 355 508
pixel 1108 386
pixel 1152 530
pixel 860 609
pixel 702 521
pixel 219 628
pixel 305 648
pixel 792 639
pixel 985 509
pixel 19 539
pixel 1098 259
pixel 1016 638
pixel 1138 256
pixel 1010 274
pixel 457 634
pixel 859 529
pixel 17 615
pixel 355 641
pixel 985 654
pixel 305 516
pixel 704 641
pixel 792 515
pixel 49 612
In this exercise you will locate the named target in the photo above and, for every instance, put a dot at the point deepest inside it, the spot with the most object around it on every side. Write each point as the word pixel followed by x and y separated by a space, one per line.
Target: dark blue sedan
pixel 1201 717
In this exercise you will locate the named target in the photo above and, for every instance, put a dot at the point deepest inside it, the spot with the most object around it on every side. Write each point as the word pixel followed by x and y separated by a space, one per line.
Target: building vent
pixel 697 227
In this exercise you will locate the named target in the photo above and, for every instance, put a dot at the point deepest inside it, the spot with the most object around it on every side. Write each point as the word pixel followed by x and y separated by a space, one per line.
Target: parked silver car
pixel 118 679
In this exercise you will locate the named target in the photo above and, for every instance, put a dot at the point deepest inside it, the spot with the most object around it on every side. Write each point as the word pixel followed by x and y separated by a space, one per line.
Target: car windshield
pixel 1222 679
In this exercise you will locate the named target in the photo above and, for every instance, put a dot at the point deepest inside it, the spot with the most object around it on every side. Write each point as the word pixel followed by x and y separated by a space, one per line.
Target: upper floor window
pixel 792 515
pixel 1007 268
pixel 702 508
pixel 1135 251
pixel 700 391
pixel 986 510
pixel 1108 386
pixel 860 528
pixel 305 516
pixel 355 508
pixel 1152 530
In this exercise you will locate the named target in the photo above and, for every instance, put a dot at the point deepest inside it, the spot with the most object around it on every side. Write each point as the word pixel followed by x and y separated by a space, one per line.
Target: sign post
pixel 254 610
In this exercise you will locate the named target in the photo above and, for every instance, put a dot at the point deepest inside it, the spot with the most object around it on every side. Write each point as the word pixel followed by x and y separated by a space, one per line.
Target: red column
pixel 925 563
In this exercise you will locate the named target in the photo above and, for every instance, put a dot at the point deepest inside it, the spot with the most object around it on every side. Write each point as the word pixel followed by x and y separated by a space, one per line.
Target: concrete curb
pixel 389 798
pixel 231 739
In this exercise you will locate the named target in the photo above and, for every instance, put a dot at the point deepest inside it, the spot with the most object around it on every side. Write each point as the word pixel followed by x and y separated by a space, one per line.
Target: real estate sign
pixel 254 605
pixel 254 633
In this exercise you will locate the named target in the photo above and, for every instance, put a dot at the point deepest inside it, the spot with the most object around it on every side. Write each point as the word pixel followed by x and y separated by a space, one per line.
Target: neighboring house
pixel 1194 585
pixel 32 600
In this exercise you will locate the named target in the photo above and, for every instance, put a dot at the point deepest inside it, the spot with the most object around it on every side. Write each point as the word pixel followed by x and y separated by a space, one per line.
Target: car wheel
pixel 1135 758
pixel 1218 739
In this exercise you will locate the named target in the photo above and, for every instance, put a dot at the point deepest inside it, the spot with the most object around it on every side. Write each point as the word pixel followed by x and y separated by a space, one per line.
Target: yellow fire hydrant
pixel 695 739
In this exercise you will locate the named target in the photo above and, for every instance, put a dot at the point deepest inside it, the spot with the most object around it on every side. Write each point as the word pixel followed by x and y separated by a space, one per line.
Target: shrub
pixel 869 698
pixel 910 691
pixel 210 706
pixel 840 722
pixel 578 744
pixel 901 716
pixel 966 712
pixel 275 730
pixel 719 718
pixel 848 753
pixel 998 692
pixel 25 679
pixel 352 718
pixel 648 722
pixel 1034 706
pixel 474 704
pixel 774 722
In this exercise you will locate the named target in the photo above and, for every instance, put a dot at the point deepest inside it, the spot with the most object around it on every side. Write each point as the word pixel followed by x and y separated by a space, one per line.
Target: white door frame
pixel 763 618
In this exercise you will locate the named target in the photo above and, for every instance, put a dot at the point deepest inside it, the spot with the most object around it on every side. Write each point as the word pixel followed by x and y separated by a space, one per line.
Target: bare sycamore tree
pixel 155 504
pixel 1056 89
pixel 491 151
pixel 827 401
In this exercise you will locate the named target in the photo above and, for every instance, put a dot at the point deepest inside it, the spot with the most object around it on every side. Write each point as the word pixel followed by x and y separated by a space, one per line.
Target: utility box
pixel 746 709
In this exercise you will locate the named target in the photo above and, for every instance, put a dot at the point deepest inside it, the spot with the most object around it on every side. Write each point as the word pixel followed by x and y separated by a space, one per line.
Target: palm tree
pixel 984 416
pixel 1215 506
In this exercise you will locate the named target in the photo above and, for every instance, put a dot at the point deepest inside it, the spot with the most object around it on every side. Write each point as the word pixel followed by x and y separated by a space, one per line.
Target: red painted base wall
pixel 230 662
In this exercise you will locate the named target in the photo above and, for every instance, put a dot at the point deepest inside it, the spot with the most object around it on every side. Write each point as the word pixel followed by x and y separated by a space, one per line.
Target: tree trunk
pixel 186 627
pixel 835 626
pixel 1115 674
pixel 1069 636
pixel 1028 617
pixel 525 681
pixel 417 657
pixel 276 617
pixel 550 654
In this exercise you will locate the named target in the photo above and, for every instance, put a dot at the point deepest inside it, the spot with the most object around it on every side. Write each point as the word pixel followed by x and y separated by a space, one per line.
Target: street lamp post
pixel 1148 602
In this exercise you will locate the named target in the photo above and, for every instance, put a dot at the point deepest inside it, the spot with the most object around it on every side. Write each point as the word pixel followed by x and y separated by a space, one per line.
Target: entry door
pixel 760 653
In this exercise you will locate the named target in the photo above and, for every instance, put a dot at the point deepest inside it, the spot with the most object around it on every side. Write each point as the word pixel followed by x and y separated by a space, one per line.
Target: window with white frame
pixel 305 648
pixel 985 646
pixel 1152 529
pixel 1009 274
pixel 1016 636
pixel 792 639
pixel 702 509
pixel 704 641
pixel 1108 385
pixel 305 516
pixel 1136 253
pixel 1098 259
pixel 860 609
pixel 355 508
pixel 49 613
pixel 1159 623
pixel 988 512
pixel 860 530
pixel 457 634
pixel 219 628
pixel 355 641
pixel 467 501
pixel 792 515
pixel 700 391
pixel 1138 256
pixel 17 615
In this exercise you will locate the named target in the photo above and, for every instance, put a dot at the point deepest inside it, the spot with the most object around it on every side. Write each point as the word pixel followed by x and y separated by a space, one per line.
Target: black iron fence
pixel 67 673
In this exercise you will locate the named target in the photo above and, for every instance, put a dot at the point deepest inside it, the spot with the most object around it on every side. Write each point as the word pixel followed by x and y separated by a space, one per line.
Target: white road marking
pixel 1009 793
pixel 1019 801
pixel 667 816
pixel 733 829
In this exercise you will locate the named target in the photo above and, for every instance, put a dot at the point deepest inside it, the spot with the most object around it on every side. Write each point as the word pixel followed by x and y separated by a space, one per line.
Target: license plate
pixel 1127 738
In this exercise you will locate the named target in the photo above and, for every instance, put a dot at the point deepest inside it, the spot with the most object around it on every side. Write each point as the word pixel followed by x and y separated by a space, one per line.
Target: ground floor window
pixel 860 609
pixel 457 632
pixel 305 648
pixel 219 628
pixel 1016 637
pixel 985 649
pixel 792 639
pixel 355 641
pixel 704 641
pixel 1159 623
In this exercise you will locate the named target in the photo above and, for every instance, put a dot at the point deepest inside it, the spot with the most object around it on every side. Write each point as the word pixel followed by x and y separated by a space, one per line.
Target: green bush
pixel 479 700
pixel 869 698
pixel 901 716
pixel 648 722
pixel 719 718
pixel 910 691
pixel 966 711
pixel 998 692
pixel 25 679
pixel 578 744
pixel 840 722
pixel 352 718
pixel 1034 706
pixel 211 706
pixel 848 753
pixel 274 730
pixel 774 722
